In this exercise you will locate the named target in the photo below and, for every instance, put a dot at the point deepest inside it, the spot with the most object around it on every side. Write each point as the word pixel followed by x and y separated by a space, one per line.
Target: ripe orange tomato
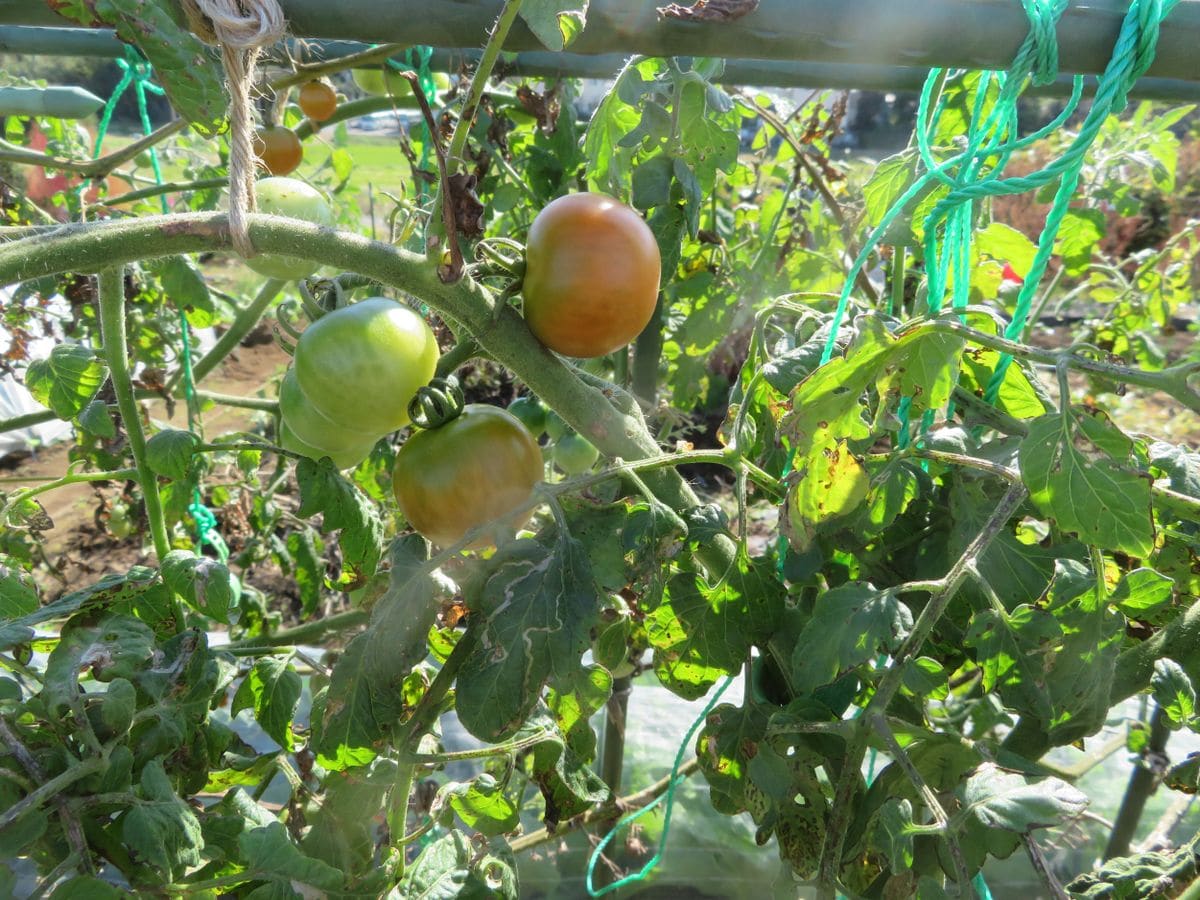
pixel 475 469
pixel 592 270
pixel 278 149
pixel 318 100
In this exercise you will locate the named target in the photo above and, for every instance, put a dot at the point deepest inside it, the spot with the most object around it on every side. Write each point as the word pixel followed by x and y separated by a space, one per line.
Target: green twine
pixel 138 72
pixel 668 797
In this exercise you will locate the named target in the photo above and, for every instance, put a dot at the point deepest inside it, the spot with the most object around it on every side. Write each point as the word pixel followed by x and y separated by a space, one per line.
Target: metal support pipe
pixel 756 72
pixel 976 34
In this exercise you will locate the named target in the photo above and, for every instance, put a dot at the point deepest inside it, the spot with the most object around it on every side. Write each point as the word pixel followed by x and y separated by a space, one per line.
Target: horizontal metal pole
pixel 758 73
pixel 63 102
pixel 916 34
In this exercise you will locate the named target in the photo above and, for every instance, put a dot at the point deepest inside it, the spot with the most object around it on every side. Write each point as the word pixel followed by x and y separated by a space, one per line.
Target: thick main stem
pixel 1142 783
pixel 112 330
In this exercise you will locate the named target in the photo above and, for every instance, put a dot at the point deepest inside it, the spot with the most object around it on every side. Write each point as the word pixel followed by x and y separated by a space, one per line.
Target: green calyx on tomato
pixel 531 412
pixel 475 469
pixel 361 365
pixel 296 200
pixel 376 82
pixel 592 270
pixel 575 454
pixel 342 459
pixel 312 426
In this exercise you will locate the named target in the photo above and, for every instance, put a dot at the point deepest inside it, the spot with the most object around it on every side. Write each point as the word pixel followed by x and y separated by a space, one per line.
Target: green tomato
pixel 361 365
pixel 343 459
pixel 556 427
pixel 574 454
pixel 292 198
pixel 311 426
pixel 120 525
pixel 532 413
pixel 375 82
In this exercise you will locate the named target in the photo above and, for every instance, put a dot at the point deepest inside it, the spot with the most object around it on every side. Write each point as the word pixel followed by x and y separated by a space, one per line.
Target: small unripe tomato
pixel 475 469
pixel 361 365
pixel 297 200
pixel 592 271
pixel 381 81
pixel 318 100
pixel 556 426
pixel 574 454
pixel 531 412
pixel 278 149
pixel 312 426
pixel 343 459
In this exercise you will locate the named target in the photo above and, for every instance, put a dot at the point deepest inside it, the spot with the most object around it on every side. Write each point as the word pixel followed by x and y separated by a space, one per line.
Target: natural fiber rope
pixel 241 28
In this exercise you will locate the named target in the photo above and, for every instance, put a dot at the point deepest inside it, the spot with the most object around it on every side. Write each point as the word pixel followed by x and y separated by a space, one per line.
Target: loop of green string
pixel 137 72
pixel 667 796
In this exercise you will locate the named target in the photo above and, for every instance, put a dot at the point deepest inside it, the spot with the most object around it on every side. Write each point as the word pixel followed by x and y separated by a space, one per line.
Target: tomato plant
pixel 318 101
pixel 385 81
pixel 868 547
pixel 592 270
pixel 361 365
pixel 278 149
pixel 474 470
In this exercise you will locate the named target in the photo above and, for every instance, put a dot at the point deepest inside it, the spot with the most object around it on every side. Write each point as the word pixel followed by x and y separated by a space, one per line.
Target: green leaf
pixel 347 509
pixel 539 605
pixel 451 869
pixel 569 787
pixel 1013 802
pixel 96 419
pixel 556 23
pixel 16 838
pixel 700 632
pixel 18 593
pixel 1005 244
pixel 86 887
pixel 1017 396
pixel 1008 649
pixel 161 829
pixel 609 164
pixel 67 380
pixel 271 853
pixel 893 833
pixel 483 806
pixel 891 178
pixel 1142 593
pixel 169 453
pixel 184 66
pixel 365 696
pixel 850 625
pixel 186 288
pixel 343 830
pixel 1083 488
pixel 1078 235
pixel 1173 692
pixel 924 367
pixel 652 182
pixel 272 690
pixel 205 584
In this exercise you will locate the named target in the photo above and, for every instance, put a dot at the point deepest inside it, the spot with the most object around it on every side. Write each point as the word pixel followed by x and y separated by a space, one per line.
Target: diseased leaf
pixel 346 509
pixel 450 869
pixel 271 853
pixel 483 806
pixel 536 612
pixel 207 585
pixel 161 830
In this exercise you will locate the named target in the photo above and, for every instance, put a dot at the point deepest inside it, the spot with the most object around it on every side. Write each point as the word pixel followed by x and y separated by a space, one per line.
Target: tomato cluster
pixel 354 373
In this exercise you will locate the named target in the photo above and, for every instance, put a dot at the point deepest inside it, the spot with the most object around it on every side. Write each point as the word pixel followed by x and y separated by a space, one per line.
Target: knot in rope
pixel 1043 38
pixel 241 28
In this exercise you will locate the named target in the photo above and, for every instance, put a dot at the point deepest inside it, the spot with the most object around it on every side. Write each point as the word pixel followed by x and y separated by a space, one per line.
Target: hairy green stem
pixel 90 168
pixel 169 187
pixel 360 60
pixel 309 632
pixel 50 789
pixel 508 15
pixel 111 292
